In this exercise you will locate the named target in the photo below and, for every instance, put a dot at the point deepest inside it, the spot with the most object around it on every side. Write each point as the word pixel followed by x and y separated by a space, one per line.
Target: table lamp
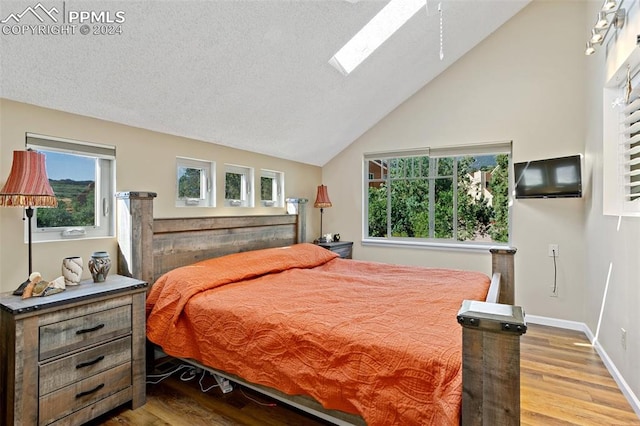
pixel 322 201
pixel 27 186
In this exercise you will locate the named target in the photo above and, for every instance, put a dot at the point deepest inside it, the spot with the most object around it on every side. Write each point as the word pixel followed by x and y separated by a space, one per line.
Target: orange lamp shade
pixel 28 184
pixel 322 198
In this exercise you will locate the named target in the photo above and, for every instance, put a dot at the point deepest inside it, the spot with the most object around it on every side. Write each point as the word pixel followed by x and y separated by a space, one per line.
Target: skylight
pixel 372 35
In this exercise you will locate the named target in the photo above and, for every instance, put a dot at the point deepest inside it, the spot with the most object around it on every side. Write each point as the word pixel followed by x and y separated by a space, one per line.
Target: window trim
pixel 431 244
pixel 492 148
pixel 631 110
pixel 277 191
pixel 614 192
pixel 247 186
pixel 209 168
pixel 105 199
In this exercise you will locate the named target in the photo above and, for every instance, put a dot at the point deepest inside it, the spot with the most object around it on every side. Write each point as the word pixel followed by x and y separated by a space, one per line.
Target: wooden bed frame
pixel 150 247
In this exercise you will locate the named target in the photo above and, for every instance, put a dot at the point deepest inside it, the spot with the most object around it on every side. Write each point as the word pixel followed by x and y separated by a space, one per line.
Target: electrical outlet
pixel 623 338
pixel 553 250
pixel 553 291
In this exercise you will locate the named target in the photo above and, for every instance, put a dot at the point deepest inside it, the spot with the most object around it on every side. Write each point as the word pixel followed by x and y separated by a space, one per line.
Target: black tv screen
pixel 550 178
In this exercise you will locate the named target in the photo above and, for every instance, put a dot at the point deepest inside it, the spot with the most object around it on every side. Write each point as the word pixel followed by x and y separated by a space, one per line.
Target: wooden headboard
pixel 148 247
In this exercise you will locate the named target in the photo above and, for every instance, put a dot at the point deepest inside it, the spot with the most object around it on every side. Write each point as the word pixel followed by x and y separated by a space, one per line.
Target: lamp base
pixel 18 291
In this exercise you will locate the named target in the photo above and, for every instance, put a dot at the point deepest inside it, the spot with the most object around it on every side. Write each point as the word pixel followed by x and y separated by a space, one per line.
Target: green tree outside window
pixel 445 198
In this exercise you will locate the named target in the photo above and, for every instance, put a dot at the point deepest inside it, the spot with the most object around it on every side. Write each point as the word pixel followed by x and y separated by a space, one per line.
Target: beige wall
pixel 611 240
pixel 524 83
pixel 528 82
pixel 145 162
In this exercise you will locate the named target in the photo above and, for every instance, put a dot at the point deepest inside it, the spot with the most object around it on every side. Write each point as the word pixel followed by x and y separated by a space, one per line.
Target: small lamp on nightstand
pixel 27 186
pixel 322 201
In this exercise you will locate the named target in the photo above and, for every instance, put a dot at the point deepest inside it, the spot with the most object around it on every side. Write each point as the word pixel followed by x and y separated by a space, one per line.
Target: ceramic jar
pixel 99 265
pixel 72 270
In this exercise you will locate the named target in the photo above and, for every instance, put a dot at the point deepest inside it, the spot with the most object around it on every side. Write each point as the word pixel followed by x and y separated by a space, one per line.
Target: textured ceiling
pixel 252 75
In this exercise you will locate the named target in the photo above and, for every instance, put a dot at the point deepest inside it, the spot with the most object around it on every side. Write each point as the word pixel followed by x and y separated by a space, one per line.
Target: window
pixel 195 185
pixel 82 176
pixel 238 186
pixel 621 142
pixel 392 16
pixel 271 188
pixel 451 195
pixel 630 144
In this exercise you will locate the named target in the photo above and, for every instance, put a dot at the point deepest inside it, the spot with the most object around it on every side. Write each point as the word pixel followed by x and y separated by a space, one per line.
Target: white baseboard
pixel 622 384
pixel 611 367
pixel 559 323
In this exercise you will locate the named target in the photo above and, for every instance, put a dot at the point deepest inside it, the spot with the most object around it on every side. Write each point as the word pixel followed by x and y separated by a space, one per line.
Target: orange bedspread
pixel 372 339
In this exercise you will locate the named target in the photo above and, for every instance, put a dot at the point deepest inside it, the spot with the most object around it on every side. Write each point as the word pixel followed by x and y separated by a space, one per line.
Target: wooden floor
pixel 563 382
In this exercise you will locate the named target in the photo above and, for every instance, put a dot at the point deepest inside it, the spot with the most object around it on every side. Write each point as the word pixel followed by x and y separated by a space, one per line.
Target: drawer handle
pixel 89 330
pixel 89 392
pixel 89 363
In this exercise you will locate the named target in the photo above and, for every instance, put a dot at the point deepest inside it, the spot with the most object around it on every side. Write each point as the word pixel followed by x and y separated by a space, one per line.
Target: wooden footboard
pixel 149 247
pixel 491 349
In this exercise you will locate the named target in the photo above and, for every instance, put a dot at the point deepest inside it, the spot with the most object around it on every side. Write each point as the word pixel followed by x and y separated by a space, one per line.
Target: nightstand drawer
pixel 60 373
pixel 344 251
pixel 64 336
pixel 343 248
pixel 81 394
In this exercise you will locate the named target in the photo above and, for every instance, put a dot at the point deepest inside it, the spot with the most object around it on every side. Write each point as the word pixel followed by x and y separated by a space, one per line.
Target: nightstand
pixel 74 355
pixel 343 248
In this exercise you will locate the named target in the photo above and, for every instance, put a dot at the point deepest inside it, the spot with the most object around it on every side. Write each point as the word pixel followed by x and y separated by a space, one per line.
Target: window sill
pixel 431 245
pixel 60 239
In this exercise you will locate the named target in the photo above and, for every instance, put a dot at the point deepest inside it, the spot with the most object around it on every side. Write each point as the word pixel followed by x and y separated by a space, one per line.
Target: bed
pixel 245 298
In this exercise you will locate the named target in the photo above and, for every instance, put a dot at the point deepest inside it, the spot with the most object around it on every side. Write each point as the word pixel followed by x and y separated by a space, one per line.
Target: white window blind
pixel 630 144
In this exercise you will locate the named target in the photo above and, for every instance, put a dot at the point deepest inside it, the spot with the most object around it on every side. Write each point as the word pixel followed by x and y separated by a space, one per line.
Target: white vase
pixel 72 270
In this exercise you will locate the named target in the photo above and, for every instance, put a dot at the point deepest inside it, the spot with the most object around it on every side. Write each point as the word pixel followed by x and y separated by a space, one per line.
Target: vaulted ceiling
pixel 251 74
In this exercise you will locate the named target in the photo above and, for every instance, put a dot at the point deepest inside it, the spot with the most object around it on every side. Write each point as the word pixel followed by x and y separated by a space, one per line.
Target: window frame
pixel 246 186
pixel 277 191
pixel 630 148
pixel 104 208
pixel 207 182
pixel 615 189
pixel 495 148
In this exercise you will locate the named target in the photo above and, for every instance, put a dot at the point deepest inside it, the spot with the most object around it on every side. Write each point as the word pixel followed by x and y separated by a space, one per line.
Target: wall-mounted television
pixel 550 178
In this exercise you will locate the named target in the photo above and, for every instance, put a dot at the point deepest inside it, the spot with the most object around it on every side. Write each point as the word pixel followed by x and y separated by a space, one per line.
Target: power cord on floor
pixel 204 373
pixel 185 376
pixel 190 372
pixel 264 404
